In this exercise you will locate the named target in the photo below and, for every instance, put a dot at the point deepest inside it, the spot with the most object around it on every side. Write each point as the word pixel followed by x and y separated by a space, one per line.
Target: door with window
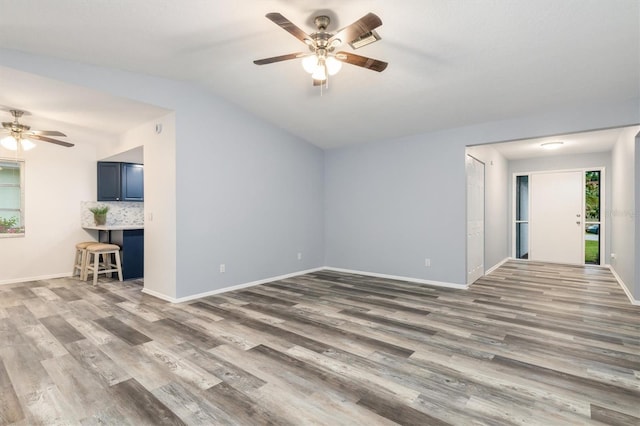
pixel 557 216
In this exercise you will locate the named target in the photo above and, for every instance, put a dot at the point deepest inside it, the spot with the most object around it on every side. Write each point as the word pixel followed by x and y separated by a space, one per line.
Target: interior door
pixel 475 219
pixel 555 217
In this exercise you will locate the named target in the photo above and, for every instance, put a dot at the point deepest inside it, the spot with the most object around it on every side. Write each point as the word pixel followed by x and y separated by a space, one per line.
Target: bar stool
pixel 95 267
pixel 80 261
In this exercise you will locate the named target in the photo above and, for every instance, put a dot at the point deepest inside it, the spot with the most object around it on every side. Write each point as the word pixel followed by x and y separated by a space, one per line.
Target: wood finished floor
pixel 528 344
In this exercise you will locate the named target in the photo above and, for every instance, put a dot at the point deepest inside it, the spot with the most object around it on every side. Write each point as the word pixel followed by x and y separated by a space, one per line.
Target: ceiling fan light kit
pixel 323 61
pixel 23 133
pixel 11 143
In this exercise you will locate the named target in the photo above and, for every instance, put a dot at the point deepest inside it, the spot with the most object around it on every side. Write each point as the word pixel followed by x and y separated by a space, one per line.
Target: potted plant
pixel 99 214
pixel 7 223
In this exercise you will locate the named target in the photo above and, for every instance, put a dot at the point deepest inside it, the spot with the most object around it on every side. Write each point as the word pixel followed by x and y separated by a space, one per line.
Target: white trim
pixel 226 289
pixel 497 265
pixel 624 286
pixel 401 278
pixel 38 278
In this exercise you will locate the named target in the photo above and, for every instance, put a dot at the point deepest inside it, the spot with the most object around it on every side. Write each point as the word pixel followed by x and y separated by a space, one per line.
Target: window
pixel 522 217
pixel 592 217
pixel 11 198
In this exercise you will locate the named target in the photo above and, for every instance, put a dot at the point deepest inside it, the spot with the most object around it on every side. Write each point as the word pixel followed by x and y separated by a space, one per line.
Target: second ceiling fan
pixel 323 60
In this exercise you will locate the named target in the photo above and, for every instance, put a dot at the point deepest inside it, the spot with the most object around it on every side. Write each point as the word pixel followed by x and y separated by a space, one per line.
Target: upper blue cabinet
pixel 120 181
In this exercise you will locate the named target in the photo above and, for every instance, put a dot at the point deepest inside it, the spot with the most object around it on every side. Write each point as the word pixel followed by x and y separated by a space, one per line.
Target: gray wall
pixel 636 290
pixel 623 213
pixel 391 204
pixel 252 196
pixel 249 195
pixel 567 162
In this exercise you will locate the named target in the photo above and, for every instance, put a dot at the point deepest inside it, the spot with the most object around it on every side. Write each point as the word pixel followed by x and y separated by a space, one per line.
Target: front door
pixel 555 217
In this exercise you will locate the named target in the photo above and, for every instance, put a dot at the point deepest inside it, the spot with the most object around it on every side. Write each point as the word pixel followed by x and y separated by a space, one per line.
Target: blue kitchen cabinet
pixel 120 181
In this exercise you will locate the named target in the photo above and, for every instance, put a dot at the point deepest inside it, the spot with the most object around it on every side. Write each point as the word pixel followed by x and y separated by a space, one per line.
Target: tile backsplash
pixel 120 213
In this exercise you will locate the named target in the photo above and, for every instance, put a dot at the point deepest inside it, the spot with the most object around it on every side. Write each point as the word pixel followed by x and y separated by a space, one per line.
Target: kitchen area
pixel 121 190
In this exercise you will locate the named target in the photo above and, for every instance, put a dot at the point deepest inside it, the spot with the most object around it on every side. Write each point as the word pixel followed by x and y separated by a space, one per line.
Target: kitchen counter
pixel 130 238
pixel 113 227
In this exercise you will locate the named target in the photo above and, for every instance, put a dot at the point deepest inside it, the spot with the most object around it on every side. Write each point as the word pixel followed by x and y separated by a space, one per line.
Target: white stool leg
pixel 83 265
pixel 96 266
pixel 119 266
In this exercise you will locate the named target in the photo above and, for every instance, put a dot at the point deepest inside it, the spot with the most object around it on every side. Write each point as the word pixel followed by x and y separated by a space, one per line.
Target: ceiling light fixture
pixel 551 145
pixel 320 65
pixel 11 143
pixel 324 61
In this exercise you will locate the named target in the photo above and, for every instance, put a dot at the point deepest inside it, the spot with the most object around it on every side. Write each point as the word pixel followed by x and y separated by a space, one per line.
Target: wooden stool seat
pixel 80 261
pixel 96 267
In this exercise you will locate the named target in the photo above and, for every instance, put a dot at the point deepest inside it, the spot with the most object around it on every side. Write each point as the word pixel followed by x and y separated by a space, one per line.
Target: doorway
pixel 557 216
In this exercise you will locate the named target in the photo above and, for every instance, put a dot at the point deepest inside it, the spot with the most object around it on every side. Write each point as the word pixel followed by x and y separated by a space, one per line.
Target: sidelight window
pixel 522 217
pixel 592 223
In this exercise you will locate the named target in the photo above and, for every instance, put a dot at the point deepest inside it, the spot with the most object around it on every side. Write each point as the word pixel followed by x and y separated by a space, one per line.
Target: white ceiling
pixel 451 62
pixel 576 143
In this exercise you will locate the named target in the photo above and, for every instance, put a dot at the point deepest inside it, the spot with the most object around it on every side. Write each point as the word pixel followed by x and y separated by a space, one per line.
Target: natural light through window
pixel 11 198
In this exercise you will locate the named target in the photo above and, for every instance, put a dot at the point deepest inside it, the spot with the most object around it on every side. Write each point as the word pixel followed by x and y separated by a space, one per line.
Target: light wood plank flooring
pixel 529 344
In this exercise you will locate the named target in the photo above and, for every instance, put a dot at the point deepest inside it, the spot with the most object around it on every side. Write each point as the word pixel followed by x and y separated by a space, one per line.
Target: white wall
pixel 623 212
pixel 159 160
pixel 496 207
pixel 57 179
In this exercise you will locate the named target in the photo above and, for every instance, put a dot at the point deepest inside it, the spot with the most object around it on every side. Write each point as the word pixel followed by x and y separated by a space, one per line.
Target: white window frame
pixel 21 214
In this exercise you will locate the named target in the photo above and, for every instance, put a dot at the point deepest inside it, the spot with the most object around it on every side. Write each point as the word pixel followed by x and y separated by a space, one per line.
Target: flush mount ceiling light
pixel 323 60
pixel 551 145
pixel 23 133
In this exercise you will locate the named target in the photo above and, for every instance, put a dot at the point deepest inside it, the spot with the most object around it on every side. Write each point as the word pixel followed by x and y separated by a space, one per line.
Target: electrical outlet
pixel 222 268
pixel 427 262
pixel 299 256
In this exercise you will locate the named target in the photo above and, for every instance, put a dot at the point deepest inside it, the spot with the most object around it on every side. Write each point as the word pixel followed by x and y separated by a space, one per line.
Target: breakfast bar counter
pixel 130 238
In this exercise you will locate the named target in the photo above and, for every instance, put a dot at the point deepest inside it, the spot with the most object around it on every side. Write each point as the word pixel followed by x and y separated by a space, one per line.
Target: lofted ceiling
pixel 452 63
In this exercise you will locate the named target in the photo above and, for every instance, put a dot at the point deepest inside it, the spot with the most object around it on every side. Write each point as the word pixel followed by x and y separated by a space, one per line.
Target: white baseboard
pixel 226 289
pixel 624 286
pixel 400 278
pixel 38 278
pixel 497 265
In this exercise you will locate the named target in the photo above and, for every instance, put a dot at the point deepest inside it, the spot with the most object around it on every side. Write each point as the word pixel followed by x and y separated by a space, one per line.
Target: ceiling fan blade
pixel 44 133
pixel 290 27
pixel 7 125
pixel 362 61
pixel 367 23
pixel 279 58
pixel 46 139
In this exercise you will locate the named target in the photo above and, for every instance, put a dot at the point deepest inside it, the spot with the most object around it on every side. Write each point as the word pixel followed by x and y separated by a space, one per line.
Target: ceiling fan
pixel 323 60
pixel 21 134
